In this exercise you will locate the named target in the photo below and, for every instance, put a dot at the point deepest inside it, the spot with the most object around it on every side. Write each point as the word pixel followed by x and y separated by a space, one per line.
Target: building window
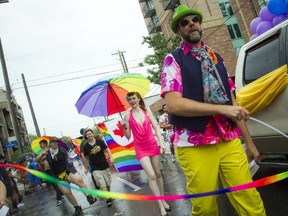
pixel 234 31
pixel 226 9
pixel 155 20
pixel 262 3
pixel 260 60
pixel 150 4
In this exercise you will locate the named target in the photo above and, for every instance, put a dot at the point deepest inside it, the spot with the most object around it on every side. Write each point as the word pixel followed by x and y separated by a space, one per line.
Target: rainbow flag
pixel 123 151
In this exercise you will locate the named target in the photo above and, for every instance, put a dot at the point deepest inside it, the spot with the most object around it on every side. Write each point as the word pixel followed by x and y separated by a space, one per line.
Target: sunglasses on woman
pixel 185 21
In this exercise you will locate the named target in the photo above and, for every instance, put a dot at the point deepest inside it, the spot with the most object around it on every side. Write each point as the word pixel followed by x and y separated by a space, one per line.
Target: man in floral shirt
pixel 207 120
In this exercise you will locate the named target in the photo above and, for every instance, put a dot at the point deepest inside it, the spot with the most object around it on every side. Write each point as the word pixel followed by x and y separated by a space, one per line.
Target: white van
pixel 260 56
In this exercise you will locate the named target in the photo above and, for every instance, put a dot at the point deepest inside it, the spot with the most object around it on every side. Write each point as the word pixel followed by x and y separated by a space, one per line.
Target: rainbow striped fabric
pixel 123 151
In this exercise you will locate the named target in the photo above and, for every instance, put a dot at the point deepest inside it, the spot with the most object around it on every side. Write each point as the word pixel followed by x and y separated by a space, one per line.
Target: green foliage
pixel 162 46
pixel 17 153
pixel 32 137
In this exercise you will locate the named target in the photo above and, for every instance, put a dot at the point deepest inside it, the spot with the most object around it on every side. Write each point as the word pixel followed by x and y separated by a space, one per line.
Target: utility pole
pixel 122 60
pixel 10 99
pixel 31 107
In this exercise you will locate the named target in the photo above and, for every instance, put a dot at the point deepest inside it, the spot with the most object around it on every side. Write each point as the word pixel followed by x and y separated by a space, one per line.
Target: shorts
pixel 102 177
pixel 24 180
pixel 63 176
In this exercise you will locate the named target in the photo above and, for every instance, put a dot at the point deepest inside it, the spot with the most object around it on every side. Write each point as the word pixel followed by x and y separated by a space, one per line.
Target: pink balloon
pixel 254 23
pixel 278 19
pixel 263 27
pixel 265 14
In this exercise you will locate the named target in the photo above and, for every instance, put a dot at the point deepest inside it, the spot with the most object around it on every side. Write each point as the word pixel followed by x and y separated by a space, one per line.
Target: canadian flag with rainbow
pixel 122 149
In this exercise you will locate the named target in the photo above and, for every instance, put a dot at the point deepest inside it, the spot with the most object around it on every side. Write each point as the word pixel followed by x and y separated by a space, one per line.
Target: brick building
pixel 226 24
pixel 8 143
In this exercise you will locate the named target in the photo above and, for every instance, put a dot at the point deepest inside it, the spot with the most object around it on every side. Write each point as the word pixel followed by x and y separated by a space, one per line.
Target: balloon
pixel 253 36
pixel 265 14
pixel 278 19
pixel 263 27
pixel 277 6
pixel 254 23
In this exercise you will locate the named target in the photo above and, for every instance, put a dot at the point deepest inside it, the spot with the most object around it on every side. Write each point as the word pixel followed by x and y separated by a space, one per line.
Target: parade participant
pixel 35 181
pixel 94 155
pixel 207 120
pixel 82 144
pixel 138 122
pixel 5 178
pixel 2 192
pixel 17 198
pixel 57 158
pixel 165 125
pixel 43 160
pixel 23 175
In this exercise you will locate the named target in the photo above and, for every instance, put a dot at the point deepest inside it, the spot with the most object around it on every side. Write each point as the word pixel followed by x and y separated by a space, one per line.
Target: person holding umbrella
pixel 138 122
pixel 57 158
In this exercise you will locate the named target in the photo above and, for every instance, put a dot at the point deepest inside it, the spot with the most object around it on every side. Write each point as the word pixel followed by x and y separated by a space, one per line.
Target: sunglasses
pixel 194 18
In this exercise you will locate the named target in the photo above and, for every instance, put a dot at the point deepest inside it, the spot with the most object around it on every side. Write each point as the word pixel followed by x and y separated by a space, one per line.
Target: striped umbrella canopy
pixel 107 96
pixel 36 147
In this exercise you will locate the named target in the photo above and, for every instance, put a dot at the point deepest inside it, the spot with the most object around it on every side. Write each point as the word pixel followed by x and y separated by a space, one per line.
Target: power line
pixel 67 45
pixel 73 72
pixel 75 78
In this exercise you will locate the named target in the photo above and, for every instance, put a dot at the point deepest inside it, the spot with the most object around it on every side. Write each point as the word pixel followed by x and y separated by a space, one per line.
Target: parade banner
pixel 123 151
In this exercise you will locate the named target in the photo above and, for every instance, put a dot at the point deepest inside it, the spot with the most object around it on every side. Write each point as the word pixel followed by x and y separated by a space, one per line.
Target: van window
pixel 262 59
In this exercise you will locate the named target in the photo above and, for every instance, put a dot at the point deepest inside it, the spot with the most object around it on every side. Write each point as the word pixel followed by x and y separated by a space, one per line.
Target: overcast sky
pixel 62 47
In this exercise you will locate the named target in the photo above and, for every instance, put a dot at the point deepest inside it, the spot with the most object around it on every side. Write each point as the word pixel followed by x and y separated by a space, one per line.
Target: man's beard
pixel 192 38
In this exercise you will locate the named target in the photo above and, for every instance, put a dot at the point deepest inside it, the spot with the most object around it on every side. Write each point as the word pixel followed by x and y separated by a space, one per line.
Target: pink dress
pixel 144 140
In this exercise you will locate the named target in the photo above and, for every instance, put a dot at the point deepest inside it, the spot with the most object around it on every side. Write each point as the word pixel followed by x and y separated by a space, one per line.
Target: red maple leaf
pixel 119 130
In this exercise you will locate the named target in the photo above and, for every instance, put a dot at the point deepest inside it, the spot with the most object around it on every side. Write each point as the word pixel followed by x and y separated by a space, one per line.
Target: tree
pixel 162 46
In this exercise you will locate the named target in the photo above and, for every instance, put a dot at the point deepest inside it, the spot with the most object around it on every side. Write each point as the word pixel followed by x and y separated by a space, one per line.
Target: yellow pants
pixel 203 164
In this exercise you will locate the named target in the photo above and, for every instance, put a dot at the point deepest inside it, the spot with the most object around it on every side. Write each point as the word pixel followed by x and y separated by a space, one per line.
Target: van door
pixel 259 59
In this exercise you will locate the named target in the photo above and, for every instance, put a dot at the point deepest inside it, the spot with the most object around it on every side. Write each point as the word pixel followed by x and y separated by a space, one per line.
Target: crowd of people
pixel 202 123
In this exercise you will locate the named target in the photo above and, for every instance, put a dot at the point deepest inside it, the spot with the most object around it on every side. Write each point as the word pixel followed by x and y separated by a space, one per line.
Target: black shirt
pixel 97 159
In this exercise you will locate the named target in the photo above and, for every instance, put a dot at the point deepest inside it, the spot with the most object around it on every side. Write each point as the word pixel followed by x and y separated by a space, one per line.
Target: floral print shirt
pixel 218 127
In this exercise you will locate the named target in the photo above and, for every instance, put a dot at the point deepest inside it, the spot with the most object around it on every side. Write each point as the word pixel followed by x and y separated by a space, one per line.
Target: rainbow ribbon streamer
pixel 138 197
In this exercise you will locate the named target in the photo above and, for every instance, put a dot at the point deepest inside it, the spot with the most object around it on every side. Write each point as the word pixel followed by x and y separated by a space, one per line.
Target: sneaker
pixel 91 199
pixel 59 202
pixel 63 197
pixel 78 211
pixel 109 202
pixel 20 205
pixel 173 159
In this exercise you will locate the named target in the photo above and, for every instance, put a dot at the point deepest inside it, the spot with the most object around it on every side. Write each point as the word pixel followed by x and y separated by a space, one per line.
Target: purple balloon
pixel 254 23
pixel 253 36
pixel 263 27
pixel 278 19
pixel 265 14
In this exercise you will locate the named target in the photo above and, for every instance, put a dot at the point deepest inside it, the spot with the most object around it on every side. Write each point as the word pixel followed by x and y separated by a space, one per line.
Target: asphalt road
pixel 43 202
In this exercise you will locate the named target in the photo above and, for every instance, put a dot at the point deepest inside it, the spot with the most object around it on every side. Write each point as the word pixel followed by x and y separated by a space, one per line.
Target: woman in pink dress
pixel 140 122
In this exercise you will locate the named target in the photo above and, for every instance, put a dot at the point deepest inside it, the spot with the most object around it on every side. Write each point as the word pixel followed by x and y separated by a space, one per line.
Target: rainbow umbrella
pixel 36 147
pixel 107 96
